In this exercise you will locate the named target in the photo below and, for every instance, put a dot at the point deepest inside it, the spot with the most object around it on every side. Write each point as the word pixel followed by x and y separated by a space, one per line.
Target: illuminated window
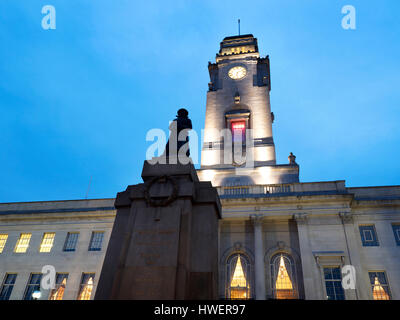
pixel 33 285
pixel 283 276
pixel 58 292
pixel 239 50
pixel 8 286
pixel 23 243
pixel 333 283
pixel 379 285
pixel 238 131
pixel 96 241
pixel 47 242
pixel 71 241
pixel 86 287
pixel 3 240
pixel 238 275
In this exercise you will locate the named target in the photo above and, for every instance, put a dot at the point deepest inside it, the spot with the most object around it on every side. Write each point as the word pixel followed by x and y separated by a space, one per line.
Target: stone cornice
pixel 287 199
pixel 53 216
pixel 373 203
pixel 56 210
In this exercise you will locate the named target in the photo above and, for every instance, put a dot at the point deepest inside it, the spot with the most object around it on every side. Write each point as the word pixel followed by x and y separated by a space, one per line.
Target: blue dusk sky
pixel 76 102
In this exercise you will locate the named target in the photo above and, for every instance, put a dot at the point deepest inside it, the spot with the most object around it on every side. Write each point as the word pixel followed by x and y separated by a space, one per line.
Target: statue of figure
pixel 179 133
pixel 292 159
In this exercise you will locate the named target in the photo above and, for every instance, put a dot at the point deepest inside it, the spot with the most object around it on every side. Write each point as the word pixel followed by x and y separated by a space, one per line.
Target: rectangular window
pixel 368 236
pixel 8 286
pixel 379 285
pixel 86 286
pixel 33 285
pixel 71 241
pixel 58 292
pixel 3 240
pixel 396 231
pixel 47 242
pixel 333 283
pixel 96 241
pixel 23 243
pixel 238 131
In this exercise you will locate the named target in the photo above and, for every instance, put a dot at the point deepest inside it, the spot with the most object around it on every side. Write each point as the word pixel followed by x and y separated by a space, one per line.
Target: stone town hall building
pixel 278 238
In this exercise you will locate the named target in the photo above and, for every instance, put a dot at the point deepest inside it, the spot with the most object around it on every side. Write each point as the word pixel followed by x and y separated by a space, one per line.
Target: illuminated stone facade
pixel 290 239
pixel 81 217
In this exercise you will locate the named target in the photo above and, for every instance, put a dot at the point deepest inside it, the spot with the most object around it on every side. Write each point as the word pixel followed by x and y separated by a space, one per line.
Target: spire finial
pixel 239 26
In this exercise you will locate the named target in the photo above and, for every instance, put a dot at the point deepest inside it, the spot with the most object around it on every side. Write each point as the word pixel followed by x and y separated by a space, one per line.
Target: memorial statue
pixel 292 159
pixel 179 135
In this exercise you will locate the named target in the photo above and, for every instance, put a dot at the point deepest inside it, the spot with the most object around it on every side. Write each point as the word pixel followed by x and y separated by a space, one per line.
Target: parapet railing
pixel 265 189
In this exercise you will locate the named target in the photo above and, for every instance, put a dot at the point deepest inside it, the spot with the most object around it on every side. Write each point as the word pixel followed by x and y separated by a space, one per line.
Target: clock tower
pixel 238 144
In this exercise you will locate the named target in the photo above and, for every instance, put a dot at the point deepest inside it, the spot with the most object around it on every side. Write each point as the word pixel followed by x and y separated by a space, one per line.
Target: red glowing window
pixel 238 130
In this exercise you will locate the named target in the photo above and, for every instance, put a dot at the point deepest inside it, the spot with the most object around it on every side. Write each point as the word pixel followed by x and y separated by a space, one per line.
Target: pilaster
pixel 307 258
pixel 362 291
pixel 259 267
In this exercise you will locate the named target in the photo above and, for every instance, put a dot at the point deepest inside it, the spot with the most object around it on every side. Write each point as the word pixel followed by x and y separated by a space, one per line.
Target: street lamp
pixel 36 294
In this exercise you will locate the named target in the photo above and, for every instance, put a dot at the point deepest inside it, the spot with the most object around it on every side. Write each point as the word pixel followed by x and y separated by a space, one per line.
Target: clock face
pixel 237 73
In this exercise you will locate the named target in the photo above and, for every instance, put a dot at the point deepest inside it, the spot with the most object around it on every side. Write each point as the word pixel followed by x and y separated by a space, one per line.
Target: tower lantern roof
pixel 238 45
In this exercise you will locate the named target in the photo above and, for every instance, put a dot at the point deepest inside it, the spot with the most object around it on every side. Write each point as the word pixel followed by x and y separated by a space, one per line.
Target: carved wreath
pixel 161 202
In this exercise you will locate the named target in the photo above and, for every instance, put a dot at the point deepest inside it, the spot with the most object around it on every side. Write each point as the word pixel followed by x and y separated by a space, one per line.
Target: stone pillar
pixel 362 291
pixel 259 267
pixel 307 259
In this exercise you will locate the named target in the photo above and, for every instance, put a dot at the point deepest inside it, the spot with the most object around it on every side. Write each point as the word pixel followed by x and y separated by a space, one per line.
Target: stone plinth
pixel 164 242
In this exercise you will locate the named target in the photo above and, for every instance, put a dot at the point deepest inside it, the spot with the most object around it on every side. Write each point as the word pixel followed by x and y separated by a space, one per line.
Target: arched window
pixel 238 277
pixel 284 284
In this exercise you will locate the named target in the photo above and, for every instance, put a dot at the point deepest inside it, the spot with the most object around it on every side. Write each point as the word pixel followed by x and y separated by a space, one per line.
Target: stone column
pixel 259 267
pixel 307 258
